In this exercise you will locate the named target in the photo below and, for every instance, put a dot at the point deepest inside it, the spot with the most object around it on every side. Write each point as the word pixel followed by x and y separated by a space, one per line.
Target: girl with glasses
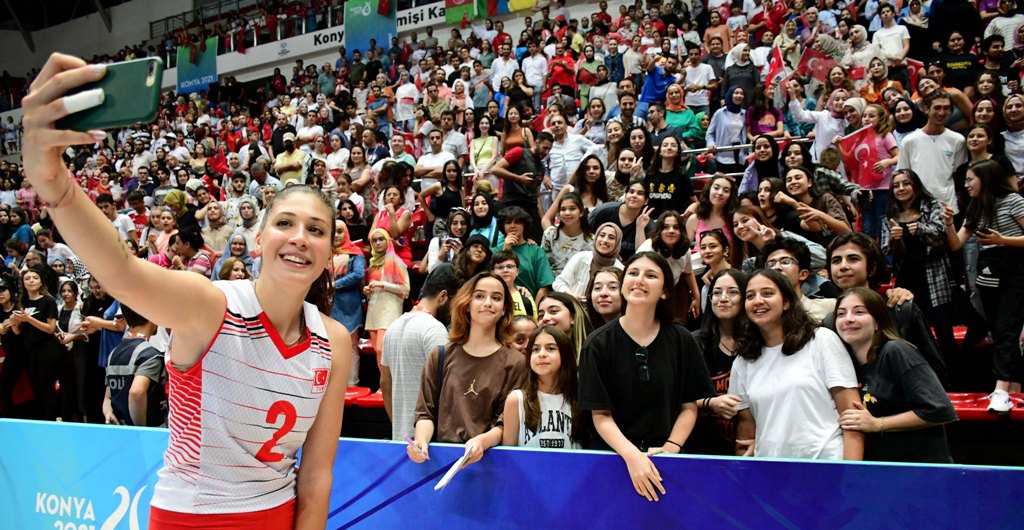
pixel 642 375
pixel 715 432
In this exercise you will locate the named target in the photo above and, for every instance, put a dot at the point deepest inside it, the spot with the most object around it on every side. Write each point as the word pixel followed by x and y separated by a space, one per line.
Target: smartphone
pixel 131 95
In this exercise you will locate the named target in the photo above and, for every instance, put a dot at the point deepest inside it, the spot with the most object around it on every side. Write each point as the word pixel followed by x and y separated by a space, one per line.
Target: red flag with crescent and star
pixel 915 68
pixel 776 66
pixel 815 64
pixel 860 154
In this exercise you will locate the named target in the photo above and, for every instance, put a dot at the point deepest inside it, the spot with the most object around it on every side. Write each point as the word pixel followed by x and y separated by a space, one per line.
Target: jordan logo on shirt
pixel 471 389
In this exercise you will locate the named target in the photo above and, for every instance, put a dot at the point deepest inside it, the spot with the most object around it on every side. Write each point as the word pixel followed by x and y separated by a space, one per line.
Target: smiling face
pixel 797 183
pixel 848 266
pixel 480 206
pixel 745 227
pixel 794 157
pixel 605 241
pixel 762 149
pixel 569 212
pixel 903 188
pixel 854 323
pixel 296 236
pixel 763 302
pixel 637 140
pixel 721 190
pixel 643 283
pixel 552 312
pixel 871 117
pixel 605 294
pixel 521 330
pixel 614 132
pixel 545 359
pixel 726 298
pixel 903 113
pixel 978 140
pixel 984 112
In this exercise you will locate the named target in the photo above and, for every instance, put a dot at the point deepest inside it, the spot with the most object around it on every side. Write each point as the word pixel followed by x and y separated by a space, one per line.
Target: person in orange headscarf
pixel 678 115
pixel 387 285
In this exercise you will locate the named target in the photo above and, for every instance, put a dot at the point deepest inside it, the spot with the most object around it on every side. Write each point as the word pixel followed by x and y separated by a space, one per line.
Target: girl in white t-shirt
pixel 795 379
pixel 545 412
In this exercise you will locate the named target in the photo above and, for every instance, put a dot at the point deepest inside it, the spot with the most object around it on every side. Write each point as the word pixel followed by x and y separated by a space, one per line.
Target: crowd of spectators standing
pixel 580 197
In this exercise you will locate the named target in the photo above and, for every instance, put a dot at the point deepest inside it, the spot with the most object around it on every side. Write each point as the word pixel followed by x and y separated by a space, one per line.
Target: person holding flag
pixel 864 157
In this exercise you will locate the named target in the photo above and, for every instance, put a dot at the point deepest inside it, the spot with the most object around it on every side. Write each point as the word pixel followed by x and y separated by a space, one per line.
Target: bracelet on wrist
pixel 673 443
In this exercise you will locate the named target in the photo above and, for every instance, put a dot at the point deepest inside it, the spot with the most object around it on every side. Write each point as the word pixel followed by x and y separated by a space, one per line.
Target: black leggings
pixel 1001 287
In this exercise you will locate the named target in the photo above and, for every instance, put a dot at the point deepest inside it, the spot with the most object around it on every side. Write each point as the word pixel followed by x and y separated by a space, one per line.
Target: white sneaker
pixel 999 401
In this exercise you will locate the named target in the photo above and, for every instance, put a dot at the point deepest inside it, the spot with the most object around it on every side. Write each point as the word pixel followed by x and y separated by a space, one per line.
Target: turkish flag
pixel 914 68
pixel 779 10
pixel 857 73
pixel 815 64
pixel 384 7
pixel 776 66
pixel 860 154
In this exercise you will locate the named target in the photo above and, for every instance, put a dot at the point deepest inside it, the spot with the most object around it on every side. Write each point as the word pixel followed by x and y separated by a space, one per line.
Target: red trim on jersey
pixel 282 517
pixel 286 352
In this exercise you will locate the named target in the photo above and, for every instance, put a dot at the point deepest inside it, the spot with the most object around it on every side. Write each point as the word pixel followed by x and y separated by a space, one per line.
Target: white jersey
pixel 554 430
pixel 240 414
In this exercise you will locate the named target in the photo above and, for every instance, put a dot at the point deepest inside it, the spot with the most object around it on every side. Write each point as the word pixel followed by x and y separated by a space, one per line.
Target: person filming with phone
pixel 523 170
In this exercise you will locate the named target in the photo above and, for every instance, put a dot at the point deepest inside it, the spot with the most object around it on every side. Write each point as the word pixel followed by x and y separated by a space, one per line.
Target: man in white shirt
pixel 503 66
pixel 306 134
pixel 700 79
pixel 894 40
pixel 566 154
pixel 933 151
pixel 122 223
pixel 429 166
pixel 535 66
pixel 408 342
pixel 173 148
pixel 453 141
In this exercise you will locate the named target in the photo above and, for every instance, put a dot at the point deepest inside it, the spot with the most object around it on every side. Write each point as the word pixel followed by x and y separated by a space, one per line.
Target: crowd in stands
pixel 580 197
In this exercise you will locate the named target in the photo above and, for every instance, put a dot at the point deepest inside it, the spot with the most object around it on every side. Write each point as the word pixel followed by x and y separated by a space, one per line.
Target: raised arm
pixel 90 233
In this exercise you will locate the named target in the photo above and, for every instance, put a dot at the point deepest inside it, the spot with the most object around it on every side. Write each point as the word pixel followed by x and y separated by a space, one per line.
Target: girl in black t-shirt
pixel 641 375
pixel 14 362
pixel 668 179
pixel 37 319
pixel 715 432
pixel 903 406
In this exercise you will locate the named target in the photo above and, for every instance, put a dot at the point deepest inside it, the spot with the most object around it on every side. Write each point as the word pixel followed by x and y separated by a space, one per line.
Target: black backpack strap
pixel 437 388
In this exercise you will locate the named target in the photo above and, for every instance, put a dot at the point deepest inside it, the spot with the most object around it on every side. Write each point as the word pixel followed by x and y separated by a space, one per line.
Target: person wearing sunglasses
pixel 641 375
pixel 793 377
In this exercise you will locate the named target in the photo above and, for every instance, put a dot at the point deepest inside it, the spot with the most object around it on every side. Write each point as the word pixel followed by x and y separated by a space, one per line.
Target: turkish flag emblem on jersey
pixel 320 380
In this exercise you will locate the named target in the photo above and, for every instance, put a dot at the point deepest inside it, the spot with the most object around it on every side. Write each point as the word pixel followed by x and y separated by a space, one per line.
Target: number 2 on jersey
pixel 280 408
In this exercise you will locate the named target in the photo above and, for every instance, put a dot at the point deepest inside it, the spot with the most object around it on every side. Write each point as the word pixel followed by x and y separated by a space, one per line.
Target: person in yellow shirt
pixel 289 163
